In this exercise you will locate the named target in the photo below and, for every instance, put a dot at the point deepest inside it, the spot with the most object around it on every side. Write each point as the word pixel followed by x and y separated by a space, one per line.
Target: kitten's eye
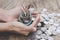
pixel 23 15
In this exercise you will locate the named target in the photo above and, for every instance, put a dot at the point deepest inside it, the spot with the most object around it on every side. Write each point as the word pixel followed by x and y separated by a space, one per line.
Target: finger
pixel 34 29
pixel 33 15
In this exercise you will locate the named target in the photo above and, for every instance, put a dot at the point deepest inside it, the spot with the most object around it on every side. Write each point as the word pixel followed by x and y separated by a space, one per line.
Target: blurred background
pixel 52 5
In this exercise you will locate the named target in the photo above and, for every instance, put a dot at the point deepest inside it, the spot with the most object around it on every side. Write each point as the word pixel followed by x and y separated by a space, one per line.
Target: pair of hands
pixel 11 17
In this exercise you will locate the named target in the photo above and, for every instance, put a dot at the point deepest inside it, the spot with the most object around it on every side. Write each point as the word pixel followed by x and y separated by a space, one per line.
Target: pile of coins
pixel 49 26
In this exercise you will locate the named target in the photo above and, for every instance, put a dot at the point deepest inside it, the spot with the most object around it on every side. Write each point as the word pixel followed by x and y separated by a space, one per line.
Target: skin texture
pixel 8 21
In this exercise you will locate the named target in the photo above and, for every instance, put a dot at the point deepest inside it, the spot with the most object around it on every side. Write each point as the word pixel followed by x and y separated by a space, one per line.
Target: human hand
pixel 11 17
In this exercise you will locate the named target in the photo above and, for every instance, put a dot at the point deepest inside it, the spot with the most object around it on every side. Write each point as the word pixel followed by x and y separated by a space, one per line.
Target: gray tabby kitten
pixel 25 17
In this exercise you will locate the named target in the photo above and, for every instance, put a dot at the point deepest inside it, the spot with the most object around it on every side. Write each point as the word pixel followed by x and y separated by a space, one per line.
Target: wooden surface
pixel 51 5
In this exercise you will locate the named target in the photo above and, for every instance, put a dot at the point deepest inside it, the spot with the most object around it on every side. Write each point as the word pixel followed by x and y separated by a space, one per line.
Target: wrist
pixel 4 27
pixel 10 27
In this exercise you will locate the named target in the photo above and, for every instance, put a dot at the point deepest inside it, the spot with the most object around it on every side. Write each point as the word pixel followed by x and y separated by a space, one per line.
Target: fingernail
pixel 34 29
